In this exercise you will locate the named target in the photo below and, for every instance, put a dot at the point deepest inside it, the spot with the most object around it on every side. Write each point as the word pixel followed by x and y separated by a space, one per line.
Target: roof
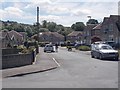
pixel 3 33
pixel 75 33
pixel 15 34
pixel 89 27
pixel 23 33
pixel 112 18
pixel 98 27
pixel 56 34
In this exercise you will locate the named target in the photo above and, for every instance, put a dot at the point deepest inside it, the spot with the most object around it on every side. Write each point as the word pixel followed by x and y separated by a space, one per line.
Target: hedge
pixel 84 48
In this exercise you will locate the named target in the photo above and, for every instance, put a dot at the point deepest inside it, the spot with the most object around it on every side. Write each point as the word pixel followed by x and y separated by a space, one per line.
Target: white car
pixel 49 48
pixel 104 51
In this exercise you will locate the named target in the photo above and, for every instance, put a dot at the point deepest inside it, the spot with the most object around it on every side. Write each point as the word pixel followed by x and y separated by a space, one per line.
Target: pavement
pixel 42 63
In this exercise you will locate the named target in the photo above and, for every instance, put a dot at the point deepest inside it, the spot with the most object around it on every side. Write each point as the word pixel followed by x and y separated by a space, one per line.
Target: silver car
pixel 49 48
pixel 103 51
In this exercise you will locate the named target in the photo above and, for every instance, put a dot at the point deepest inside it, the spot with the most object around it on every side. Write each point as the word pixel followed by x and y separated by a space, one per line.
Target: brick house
pixel 52 37
pixel 95 33
pixel 11 38
pixel 87 34
pixel 75 36
pixel 109 30
pixel 16 38
pixel 5 40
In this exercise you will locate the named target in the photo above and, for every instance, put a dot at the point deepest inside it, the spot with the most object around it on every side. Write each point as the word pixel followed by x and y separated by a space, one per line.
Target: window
pixel 111 27
pixel 111 37
pixel 106 31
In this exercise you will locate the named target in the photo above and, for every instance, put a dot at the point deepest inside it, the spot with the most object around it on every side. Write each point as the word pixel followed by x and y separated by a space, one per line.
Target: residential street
pixel 76 70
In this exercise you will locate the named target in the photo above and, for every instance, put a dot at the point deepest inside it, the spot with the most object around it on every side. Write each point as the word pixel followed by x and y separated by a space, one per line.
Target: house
pixel 75 36
pixel 16 38
pixel 95 33
pixel 5 40
pixel 109 29
pixel 87 33
pixel 24 34
pixel 52 37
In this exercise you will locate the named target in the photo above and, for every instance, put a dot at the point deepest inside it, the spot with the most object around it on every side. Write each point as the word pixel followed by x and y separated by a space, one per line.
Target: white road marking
pixel 56 62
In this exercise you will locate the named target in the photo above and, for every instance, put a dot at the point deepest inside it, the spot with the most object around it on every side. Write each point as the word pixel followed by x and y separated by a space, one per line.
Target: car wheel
pixel 92 56
pixel 117 59
pixel 100 56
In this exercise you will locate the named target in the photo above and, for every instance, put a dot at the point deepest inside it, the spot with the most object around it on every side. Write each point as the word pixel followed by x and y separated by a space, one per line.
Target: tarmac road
pixel 76 70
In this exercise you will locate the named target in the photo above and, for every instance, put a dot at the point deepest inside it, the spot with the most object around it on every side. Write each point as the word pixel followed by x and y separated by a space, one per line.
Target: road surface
pixel 76 70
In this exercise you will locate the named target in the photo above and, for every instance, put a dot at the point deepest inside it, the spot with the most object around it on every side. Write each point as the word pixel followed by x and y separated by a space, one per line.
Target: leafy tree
pixel 51 26
pixel 44 24
pixel 78 26
pixel 43 30
pixel 92 21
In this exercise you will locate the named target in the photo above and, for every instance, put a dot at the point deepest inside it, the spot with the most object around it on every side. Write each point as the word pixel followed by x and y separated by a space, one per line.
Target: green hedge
pixel 84 48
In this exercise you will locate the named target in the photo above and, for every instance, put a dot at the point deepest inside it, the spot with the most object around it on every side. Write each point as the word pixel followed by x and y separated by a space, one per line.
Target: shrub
pixel 21 47
pixel 31 48
pixel 25 50
pixel 84 48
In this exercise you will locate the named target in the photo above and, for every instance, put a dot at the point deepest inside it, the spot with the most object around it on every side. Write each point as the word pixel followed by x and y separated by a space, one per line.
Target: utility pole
pixel 38 17
pixel 37 23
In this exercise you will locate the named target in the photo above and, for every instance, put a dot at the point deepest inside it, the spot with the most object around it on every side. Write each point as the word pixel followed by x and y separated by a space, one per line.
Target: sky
pixel 65 12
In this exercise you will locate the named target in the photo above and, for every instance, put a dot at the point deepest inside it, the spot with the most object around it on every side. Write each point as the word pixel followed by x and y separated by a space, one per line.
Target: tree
pixel 92 21
pixel 78 26
pixel 44 24
pixel 51 26
pixel 43 30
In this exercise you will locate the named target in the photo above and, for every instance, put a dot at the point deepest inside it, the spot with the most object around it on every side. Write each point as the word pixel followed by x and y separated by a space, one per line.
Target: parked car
pixel 77 45
pixel 49 48
pixel 103 51
pixel 111 43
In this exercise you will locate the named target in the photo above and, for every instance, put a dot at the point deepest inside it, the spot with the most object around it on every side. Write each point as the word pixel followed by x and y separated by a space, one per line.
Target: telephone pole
pixel 37 23
pixel 37 16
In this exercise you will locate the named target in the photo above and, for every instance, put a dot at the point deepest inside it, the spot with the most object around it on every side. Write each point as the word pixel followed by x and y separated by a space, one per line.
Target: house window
pixel 111 27
pixel 111 37
pixel 106 31
pixel 87 33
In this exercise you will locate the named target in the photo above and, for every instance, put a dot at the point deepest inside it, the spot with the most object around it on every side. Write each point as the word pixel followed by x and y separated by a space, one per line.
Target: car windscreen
pixel 106 48
pixel 49 46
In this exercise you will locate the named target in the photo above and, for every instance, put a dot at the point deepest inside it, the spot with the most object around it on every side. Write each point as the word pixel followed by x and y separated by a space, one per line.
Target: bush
pixel 21 47
pixel 31 48
pixel 84 48
pixel 26 50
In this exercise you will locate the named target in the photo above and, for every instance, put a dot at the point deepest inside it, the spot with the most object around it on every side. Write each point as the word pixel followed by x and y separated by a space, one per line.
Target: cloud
pixel 80 12
pixel 49 18
pixel 14 11
pixel 65 13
